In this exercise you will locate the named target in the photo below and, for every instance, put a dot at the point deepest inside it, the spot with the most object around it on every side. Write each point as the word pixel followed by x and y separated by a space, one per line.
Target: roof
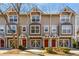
pixel 48 9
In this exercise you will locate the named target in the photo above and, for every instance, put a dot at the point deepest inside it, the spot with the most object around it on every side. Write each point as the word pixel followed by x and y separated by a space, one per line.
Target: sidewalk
pixel 37 52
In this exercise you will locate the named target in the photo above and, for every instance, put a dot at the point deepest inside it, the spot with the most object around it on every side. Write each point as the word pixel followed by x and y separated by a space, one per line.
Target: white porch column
pixel 58 42
pixel 50 42
pixel 43 42
pixel 69 43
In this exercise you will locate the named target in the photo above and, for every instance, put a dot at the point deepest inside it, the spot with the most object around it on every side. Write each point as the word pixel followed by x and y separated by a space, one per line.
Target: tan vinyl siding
pixel 2 20
pixel 73 22
pixel 25 21
pixel 55 19
pixel 44 21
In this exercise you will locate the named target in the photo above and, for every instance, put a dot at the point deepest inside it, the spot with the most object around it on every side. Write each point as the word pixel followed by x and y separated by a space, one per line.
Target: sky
pixel 46 7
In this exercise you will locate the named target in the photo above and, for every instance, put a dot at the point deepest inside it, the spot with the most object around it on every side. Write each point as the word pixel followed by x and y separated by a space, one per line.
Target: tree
pixel 17 7
pixel 6 19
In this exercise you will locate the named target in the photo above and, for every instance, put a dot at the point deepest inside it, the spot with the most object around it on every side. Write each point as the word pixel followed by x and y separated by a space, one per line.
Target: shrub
pixel 22 47
pixel 66 50
pixel 74 43
pixel 50 50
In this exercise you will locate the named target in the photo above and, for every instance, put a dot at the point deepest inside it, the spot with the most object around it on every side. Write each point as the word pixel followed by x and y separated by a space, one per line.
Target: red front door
pixel 24 42
pixel 1 43
pixel 46 43
pixel 53 43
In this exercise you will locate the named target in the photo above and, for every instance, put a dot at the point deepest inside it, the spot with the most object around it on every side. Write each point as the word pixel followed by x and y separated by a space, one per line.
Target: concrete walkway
pixel 3 51
pixel 75 51
pixel 36 52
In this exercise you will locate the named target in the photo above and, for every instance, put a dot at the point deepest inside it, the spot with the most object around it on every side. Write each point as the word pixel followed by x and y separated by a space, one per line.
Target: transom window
pixel 46 28
pixel 13 19
pixel 65 18
pixel 66 29
pixel 36 18
pixel 35 29
pixel 12 30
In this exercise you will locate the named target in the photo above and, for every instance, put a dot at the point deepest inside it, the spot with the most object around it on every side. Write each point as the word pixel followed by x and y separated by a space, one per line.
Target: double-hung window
pixel 46 29
pixel 66 29
pixel 35 19
pixel 35 29
pixel 65 18
pixel 12 30
pixel 13 19
pixel 54 29
pixel 2 29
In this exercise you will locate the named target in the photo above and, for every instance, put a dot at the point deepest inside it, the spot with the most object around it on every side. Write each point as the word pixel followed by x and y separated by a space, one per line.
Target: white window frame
pixel 11 27
pixel 45 27
pixel 13 18
pixel 54 27
pixel 2 27
pixel 35 29
pixel 67 27
pixel 39 18
pixel 65 17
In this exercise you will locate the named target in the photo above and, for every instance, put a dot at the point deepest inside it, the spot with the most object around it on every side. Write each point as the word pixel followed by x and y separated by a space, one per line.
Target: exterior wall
pixel 55 19
pixel 73 23
pixel 2 20
pixel 77 26
pixel 46 19
pixel 25 21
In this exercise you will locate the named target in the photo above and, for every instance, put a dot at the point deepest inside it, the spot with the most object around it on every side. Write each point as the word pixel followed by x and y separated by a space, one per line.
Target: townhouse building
pixel 38 29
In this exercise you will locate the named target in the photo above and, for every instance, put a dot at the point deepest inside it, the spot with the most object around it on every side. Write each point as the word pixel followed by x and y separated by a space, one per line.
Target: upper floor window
pixel 12 30
pixel 13 19
pixel 35 29
pixel 46 28
pixel 65 18
pixel 36 18
pixel 2 29
pixel 54 29
pixel 66 29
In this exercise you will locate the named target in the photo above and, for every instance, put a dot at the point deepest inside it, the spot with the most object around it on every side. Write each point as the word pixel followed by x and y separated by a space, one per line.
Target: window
pixel 12 30
pixel 66 29
pixel 2 29
pixel 13 19
pixel 46 28
pixel 60 43
pixel 23 28
pixel 66 43
pixel 35 29
pixel 36 19
pixel 54 29
pixel 64 18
